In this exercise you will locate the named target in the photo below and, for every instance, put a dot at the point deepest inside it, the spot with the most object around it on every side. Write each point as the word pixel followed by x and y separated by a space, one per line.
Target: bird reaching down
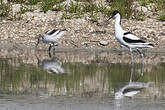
pixel 52 37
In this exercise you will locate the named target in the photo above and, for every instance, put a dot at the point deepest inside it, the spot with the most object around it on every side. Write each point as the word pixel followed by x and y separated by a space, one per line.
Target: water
pixel 80 80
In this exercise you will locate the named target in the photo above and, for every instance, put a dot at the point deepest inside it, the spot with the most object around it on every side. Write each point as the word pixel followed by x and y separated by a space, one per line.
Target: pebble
pixel 142 8
pixel 104 43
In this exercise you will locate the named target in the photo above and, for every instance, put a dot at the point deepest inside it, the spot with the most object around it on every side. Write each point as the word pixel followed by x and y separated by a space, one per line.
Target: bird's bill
pixel 111 17
pixel 64 30
pixel 38 41
pixel 107 21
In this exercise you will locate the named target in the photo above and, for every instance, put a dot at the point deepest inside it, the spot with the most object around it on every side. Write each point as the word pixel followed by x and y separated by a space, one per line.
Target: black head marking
pixel 115 13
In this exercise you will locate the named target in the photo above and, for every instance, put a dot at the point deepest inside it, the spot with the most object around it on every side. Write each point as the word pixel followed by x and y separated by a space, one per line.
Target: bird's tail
pixel 146 45
pixel 149 45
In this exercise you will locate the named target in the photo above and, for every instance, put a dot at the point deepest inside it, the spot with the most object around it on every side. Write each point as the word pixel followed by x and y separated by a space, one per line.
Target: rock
pixel 142 8
pixel 104 43
pixel 16 8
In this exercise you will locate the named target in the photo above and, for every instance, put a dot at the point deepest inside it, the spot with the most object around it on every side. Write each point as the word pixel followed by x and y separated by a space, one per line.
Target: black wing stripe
pixel 131 89
pixel 127 33
pixel 51 32
pixel 132 41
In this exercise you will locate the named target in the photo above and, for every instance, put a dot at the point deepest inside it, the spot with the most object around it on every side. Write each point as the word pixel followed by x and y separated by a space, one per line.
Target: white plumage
pixel 52 65
pixel 131 89
pixel 128 39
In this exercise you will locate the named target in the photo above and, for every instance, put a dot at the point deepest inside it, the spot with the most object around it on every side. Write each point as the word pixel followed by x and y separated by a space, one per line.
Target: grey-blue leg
pixel 131 55
pixel 142 57
pixel 55 44
pixel 132 68
pixel 132 64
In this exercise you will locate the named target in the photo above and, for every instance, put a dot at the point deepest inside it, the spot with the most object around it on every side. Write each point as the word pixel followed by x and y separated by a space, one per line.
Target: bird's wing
pixel 131 38
pixel 131 93
pixel 52 32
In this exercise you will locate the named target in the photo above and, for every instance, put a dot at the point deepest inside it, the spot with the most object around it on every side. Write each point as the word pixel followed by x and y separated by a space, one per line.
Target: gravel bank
pixel 81 32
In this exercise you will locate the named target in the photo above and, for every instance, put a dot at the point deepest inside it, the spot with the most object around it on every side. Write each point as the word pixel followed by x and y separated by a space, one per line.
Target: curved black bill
pixel 110 17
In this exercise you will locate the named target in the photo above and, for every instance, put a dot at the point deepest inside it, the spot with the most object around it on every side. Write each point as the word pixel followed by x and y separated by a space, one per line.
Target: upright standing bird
pixel 52 37
pixel 128 39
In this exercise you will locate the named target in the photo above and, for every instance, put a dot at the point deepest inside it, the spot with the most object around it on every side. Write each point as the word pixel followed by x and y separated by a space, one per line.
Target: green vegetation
pixel 4 9
pixel 162 16
pixel 124 6
pixel 139 16
pixel 79 8
pixel 145 2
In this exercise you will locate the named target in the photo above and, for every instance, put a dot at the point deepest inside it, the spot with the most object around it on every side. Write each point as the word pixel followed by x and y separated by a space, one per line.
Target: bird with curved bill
pixel 128 39
pixel 52 37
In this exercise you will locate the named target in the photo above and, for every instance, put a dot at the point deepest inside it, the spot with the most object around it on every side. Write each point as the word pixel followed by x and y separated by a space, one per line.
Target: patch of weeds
pixel 88 7
pixel 145 2
pixel 160 4
pixel 94 17
pixel 74 8
pixel 47 5
pixel 103 9
pixel 66 15
pixel 58 7
pixel 5 9
pixel 162 16
pixel 50 4
pixel 28 2
pixel 139 16
pixel 94 10
pixel 123 6
pixel 24 9
pixel 33 2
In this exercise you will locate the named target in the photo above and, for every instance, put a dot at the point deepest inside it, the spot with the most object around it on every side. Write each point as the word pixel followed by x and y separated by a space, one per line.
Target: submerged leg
pixel 132 68
pixel 131 55
pixel 55 44
pixel 50 47
pixel 142 57
pixel 132 65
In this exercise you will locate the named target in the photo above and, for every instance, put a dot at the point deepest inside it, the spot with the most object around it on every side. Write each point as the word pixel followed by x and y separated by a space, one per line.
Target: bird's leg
pixel 131 56
pixel 132 65
pixel 55 44
pixel 50 55
pixel 132 68
pixel 142 57
pixel 53 47
pixel 50 47
pixel 38 41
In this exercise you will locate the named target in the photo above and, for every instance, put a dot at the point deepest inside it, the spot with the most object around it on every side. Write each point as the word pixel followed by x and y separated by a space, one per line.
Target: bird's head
pixel 39 39
pixel 114 14
pixel 64 30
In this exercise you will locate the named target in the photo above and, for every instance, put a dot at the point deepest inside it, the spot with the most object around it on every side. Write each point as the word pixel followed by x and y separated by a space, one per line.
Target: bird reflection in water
pixel 51 65
pixel 131 88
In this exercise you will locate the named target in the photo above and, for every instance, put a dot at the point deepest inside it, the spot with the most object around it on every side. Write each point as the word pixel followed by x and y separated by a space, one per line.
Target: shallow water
pixel 31 80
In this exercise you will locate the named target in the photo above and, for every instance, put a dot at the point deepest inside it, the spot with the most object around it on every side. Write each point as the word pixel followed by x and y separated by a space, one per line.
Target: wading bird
pixel 52 37
pixel 128 39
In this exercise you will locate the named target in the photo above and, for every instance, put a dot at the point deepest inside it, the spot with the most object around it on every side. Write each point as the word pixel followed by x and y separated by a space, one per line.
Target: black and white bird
pixel 52 65
pixel 131 89
pixel 128 39
pixel 52 37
